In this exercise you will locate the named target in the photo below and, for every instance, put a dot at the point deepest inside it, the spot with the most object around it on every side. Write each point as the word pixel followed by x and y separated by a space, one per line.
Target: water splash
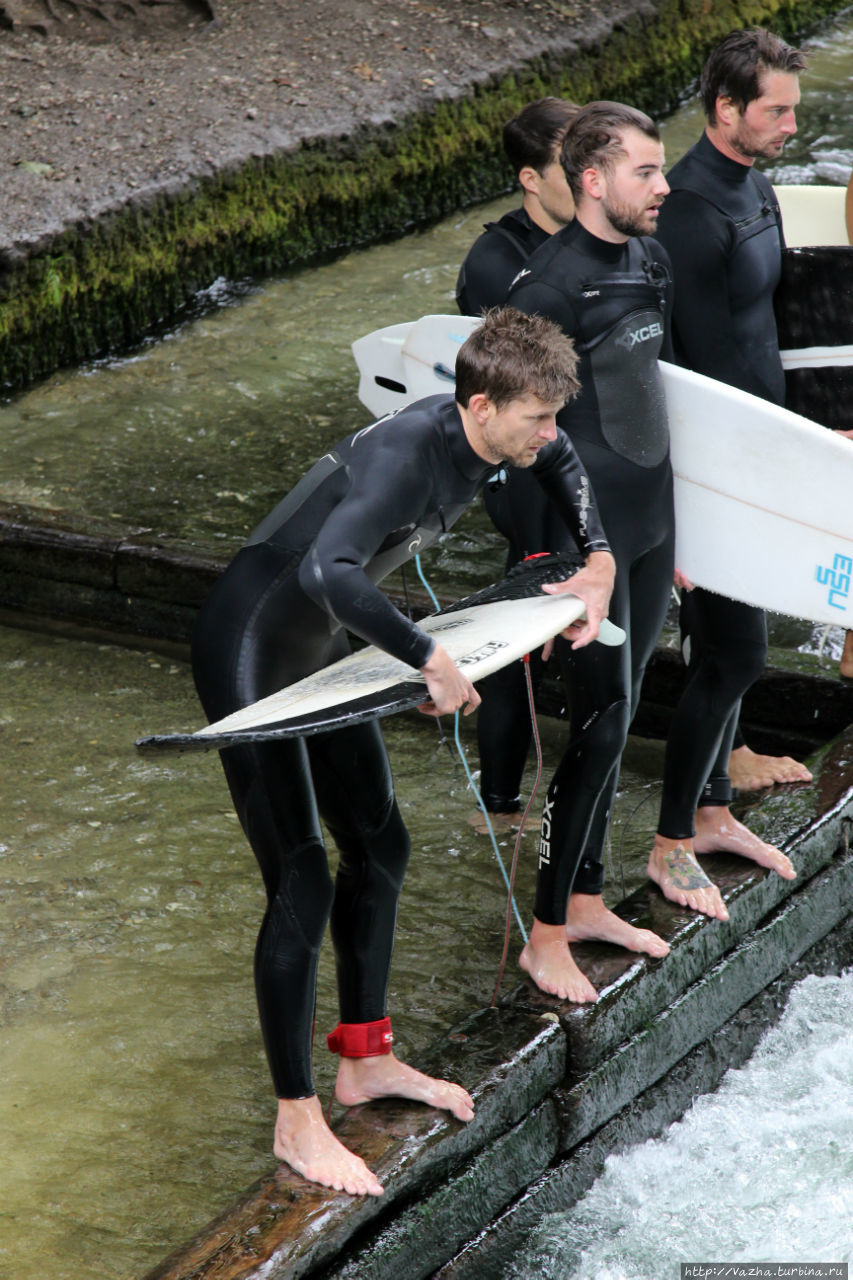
pixel 760 1171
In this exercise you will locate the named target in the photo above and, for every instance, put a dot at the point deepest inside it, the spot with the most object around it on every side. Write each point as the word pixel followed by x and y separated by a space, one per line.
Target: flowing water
pixel 134 1100
pixel 760 1171
pixel 134 1094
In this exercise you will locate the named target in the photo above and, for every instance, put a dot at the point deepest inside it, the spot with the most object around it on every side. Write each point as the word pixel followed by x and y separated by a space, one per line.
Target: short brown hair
pixel 593 140
pixel 510 355
pixel 737 66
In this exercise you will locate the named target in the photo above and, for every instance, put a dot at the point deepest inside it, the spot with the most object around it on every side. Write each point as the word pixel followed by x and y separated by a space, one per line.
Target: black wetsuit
pixel 721 227
pixel 279 612
pixel 503 720
pixel 614 301
pixel 494 260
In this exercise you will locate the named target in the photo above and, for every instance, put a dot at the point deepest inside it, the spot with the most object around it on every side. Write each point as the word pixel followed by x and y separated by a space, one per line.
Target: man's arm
pixel 566 483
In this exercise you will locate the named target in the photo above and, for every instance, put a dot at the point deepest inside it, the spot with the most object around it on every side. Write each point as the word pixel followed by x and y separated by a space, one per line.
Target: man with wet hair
pixel 607 284
pixel 280 611
pixel 531 141
pixel 722 229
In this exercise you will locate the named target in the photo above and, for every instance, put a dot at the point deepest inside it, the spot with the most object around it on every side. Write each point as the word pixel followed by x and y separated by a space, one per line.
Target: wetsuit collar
pixel 721 166
pixel 466 461
pixel 590 245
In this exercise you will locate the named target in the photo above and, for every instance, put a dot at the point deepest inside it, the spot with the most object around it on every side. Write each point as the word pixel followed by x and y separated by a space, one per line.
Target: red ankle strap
pixel 361 1039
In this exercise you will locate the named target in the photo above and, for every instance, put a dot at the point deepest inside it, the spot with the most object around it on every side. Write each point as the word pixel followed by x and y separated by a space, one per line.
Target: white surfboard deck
pixel 812 215
pixel 480 638
pixel 763 497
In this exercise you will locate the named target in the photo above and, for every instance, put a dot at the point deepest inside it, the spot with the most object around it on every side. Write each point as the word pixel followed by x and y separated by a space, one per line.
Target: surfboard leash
pixel 511 906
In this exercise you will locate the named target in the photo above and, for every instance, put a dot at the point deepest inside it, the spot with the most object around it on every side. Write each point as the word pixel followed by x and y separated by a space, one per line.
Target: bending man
pixel 281 611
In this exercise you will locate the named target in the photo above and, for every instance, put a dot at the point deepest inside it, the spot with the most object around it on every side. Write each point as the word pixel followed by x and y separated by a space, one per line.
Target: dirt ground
pixel 107 99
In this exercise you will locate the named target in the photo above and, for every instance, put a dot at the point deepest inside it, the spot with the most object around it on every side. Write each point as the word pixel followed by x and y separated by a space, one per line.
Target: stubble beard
pixel 743 142
pixel 628 221
pixel 498 453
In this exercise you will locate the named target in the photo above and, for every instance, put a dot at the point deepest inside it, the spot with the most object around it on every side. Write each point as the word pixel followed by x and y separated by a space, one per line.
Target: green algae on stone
pixel 102 286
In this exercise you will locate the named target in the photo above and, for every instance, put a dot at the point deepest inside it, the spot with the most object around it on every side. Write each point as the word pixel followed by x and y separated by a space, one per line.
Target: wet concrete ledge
pixel 559 1086
pixel 102 580
pixel 100 273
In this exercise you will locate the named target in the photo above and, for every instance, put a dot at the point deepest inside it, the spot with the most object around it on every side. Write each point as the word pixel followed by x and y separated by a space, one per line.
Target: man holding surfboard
pixel 280 611
pixel 721 227
pixel 607 283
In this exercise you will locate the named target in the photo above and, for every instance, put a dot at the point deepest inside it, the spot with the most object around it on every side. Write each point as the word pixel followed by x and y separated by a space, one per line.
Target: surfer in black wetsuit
pixel 281 611
pixel 608 285
pixel 721 227
pixel 532 142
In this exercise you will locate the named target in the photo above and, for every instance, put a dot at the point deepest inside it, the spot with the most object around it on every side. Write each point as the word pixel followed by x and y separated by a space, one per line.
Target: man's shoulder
pixel 405 428
pixel 514 232
pixel 557 249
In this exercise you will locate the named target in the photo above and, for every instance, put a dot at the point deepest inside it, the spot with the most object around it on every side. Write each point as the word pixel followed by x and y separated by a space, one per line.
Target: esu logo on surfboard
pixel 837 578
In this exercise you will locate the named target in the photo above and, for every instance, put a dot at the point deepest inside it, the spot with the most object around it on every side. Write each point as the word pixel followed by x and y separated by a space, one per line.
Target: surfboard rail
pixel 482 633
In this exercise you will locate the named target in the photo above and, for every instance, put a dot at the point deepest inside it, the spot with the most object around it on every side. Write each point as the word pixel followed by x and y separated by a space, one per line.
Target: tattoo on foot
pixel 684 872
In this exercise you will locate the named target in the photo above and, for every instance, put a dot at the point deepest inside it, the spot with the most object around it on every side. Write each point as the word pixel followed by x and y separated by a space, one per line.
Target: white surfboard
pixel 480 638
pixel 764 512
pixel 812 215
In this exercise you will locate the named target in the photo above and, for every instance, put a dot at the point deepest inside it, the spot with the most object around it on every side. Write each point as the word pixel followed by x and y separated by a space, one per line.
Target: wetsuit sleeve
pixel 383 500
pixel 487 273
pixel 698 241
pixel 564 478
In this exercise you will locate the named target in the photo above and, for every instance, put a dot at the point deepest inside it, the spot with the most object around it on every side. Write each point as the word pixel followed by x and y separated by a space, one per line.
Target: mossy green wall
pixel 102 289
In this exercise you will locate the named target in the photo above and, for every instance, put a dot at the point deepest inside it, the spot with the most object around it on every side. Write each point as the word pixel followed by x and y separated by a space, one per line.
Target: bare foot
pixel 384 1076
pixel 587 919
pixel 502 823
pixel 546 957
pixel 846 668
pixel 717 829
pixel 305 1142
pixel 679 877
pixel 749 771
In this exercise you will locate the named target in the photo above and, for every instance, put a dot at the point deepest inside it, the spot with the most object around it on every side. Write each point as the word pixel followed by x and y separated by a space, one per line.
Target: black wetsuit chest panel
pixel 612 299
pixel 721 226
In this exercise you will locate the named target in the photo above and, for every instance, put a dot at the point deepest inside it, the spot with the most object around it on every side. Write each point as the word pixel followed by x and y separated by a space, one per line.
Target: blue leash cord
pixel 430 591
pixel 469 775
pixel 485 812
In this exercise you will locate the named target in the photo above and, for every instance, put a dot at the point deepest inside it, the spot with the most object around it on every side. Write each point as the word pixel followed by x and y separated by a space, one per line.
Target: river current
pixel 759 1171
pixel 133 1104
